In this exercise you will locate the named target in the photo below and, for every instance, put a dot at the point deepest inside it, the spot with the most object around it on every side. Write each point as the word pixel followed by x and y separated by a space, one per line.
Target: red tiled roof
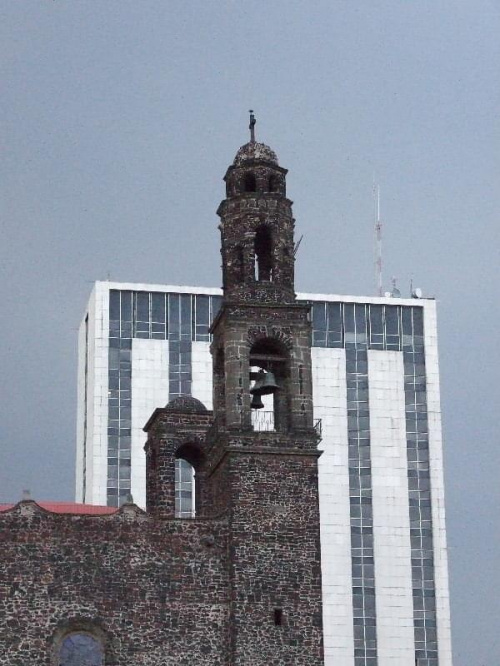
pixel 69 507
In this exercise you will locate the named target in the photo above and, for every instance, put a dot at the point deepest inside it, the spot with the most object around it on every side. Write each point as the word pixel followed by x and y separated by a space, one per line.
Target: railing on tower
pixel 262 421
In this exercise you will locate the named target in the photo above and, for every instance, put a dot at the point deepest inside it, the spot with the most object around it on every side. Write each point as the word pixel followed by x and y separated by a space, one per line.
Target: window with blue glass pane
pixel 81 649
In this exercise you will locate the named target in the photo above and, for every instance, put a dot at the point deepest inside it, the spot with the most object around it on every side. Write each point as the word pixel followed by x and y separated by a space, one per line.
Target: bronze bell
pixel 256 402
pixel 265 384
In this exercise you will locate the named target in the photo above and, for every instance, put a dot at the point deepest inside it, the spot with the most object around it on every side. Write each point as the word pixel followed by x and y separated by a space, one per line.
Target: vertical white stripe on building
pixel 437 486
pixel 81 409
pixel 149 391
pixel 391 521
pixel 330 405
pixel 201 369
pixel 97 428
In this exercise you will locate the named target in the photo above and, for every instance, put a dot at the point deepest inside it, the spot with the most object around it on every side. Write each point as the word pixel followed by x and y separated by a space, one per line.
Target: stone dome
pixel 185 403
pixel 255 151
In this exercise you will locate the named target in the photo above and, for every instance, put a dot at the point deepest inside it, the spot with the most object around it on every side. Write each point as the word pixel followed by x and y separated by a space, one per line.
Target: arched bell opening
pixel 263 254
pixel 269 385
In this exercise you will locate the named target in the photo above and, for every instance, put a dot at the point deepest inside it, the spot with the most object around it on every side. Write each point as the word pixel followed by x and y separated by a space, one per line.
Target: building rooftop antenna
pixel 297 245
pixel 378 240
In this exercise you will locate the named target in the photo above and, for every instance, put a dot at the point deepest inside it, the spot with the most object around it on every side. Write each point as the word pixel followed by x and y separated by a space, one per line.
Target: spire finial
pixel 251 127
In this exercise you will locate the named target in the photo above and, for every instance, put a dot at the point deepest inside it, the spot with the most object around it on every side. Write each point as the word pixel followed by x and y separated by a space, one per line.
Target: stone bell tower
pixel 262 464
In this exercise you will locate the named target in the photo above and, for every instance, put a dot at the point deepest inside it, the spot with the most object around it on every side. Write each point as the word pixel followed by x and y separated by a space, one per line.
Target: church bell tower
pixel 262 463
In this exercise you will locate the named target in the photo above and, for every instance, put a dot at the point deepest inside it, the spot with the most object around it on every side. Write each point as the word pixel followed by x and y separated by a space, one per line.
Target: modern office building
pixel 376 392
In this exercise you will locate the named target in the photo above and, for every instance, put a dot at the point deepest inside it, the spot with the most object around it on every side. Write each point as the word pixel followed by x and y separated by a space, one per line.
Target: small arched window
pixel 81 649
pixel 184 489
pixel 249 182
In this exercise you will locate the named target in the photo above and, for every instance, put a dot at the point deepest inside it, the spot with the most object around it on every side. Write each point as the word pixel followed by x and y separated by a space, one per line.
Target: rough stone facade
pixel 155 591
pixel 239 585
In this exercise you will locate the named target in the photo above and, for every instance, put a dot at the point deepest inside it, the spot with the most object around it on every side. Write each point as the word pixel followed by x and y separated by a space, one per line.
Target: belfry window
pixel 263 254
pixel 80 649
pixel 269 370
pixel 249 182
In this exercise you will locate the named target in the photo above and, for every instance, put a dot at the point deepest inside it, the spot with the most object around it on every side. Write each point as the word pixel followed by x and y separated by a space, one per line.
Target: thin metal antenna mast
pixel 378 240
pixel 297 245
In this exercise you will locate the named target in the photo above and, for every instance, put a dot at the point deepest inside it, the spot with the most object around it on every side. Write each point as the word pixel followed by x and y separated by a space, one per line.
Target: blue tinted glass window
pixel 81 649
pixel 126 305
pixel 392 319
pixel 114 304
pixel 202 317
pixel 376 319
pixel 173 316
pixel 319 316
pixel 349 325
pixel 360 316
pixel 158 308
pixel 186 317
pixel 216 303
pixel 407 321
pixel 335 324
pixel 418 321
pixel 142 306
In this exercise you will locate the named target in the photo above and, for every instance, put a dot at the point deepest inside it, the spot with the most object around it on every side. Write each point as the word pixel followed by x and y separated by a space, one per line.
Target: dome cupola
pixel 257 227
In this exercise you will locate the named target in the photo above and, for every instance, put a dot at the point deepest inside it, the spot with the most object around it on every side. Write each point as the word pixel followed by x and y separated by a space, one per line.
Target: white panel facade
pixel 97 429
pixel 82 408
pixel 92 416
pixel 437 486
pixel 391 520
pixel 330 405
pixel 149 391
pixel 201 370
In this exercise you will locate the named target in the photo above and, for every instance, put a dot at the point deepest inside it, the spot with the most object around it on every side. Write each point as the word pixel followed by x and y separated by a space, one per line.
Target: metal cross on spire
pixel 251 127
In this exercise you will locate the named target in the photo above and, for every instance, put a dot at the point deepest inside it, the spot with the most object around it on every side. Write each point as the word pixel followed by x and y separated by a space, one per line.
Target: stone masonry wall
pixel 157 591
pixel 276 560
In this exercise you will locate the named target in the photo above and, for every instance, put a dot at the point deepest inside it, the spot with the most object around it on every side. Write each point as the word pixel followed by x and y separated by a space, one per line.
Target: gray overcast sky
pixel 119 119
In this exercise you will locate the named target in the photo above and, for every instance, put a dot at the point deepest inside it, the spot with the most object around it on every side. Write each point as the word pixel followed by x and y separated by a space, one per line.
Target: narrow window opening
pixel 273 183
pixel 278 617
pixel 263 254
pixel 184 490
pixel 249 183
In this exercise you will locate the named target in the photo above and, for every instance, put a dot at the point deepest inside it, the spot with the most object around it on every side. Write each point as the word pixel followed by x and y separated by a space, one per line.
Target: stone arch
pixel 277 336
pixel 191 451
